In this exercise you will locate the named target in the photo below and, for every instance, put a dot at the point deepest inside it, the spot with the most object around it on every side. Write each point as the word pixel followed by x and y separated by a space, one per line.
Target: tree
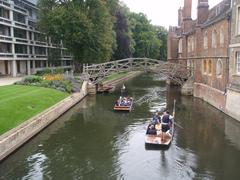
pixel 85 26
pixel 162 36
pixel 124 40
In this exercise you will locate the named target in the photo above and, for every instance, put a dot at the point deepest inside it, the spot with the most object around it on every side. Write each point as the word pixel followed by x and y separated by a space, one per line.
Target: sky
pixel 163 12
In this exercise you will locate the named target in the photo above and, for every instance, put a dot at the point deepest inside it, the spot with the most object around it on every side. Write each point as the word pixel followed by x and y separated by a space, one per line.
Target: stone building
pixel 233 90
pixel 23 48
pixel 203 45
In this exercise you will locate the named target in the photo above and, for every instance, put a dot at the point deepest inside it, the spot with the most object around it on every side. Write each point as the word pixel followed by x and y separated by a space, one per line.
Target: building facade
pixel 203 44
pixel 233 90
pixel 23 48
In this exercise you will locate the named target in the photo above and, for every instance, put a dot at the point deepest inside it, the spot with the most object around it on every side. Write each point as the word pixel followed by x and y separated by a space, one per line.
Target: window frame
pixel 219 68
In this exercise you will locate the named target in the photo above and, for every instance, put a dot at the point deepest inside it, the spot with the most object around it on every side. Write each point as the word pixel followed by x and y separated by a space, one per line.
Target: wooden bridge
pixel 176 72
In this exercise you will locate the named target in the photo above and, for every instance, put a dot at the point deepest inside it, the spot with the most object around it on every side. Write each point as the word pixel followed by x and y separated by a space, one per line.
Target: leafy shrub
pixel 44 71
pixel 32 79
pixel 58 71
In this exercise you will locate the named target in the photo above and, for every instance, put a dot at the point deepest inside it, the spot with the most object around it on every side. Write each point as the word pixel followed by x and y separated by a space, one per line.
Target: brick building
pixel 233 90
pixel 203 44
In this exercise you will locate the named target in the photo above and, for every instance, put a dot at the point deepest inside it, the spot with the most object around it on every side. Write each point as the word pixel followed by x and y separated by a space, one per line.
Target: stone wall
pixel 233 104
pixel 16 137
pixel 211 95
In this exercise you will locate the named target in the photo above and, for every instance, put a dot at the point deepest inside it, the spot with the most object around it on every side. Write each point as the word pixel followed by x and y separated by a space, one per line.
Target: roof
pixel 218 12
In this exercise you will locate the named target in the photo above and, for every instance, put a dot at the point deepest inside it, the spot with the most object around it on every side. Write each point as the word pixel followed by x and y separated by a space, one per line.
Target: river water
pixel 91 141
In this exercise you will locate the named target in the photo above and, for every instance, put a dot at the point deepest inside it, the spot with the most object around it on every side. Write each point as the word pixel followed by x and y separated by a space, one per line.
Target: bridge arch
pixel 176 72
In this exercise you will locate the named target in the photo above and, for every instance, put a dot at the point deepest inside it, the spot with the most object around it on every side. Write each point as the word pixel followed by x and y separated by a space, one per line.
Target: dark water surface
pixel 91 141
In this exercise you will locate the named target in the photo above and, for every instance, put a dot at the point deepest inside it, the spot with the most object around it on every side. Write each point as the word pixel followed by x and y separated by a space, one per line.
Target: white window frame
pixel 219 68
pixel 205 40
pixel 210 67
pixel 214 38
pixel 238 63
pixel 238 20
pixel 180 46
pixel 221 37
pixel 189 45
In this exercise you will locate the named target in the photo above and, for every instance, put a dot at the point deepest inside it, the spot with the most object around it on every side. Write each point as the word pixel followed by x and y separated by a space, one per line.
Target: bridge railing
pixel 174 71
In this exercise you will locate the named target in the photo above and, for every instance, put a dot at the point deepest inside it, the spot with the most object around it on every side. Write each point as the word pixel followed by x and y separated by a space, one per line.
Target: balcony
pixel 5 48
pixel 6 55
pixel 5 20
pixel 4 3
pixel 5 38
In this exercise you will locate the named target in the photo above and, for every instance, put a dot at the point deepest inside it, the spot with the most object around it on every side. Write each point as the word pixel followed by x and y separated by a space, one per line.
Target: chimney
pixel 202 11
pixel 180 16
pixel 187 9
pixel 187 15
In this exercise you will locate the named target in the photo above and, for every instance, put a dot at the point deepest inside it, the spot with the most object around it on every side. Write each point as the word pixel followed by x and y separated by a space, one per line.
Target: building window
pixel 4 13
pixel 180 46
pixel 19 33
pixel 39 37
pixel 238 21
pixel 222 37
pixel 40 50
pixel 209 67
pixel 219 68
pixel 205 40
pixel 204 66
pixel 238 63
pixel 38 64
pixel 19 17
pixel 214 38
pixel 189 45
pixel 192 43
pixel 5 47
pixel 4 30
pixel 20 49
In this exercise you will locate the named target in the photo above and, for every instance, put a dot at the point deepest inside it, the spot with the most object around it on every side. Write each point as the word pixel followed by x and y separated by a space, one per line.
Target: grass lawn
pixel 19 103
pixel 115 76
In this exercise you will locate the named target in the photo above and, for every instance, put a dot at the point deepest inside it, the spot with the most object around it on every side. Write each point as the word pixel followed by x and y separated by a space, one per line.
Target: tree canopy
pixel 101 30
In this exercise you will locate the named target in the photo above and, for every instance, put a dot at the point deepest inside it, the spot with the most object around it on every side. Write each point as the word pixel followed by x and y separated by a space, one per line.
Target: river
pixel 91 141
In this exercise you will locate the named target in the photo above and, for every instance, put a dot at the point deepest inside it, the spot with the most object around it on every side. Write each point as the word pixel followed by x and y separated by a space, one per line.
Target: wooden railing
pixel 174 71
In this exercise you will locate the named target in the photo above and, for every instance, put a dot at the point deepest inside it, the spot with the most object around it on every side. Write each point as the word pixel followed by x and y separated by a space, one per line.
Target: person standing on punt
pixel 166 122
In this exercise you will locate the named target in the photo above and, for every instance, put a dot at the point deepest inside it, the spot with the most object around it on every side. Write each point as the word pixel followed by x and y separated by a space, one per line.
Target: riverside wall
pixel 16 137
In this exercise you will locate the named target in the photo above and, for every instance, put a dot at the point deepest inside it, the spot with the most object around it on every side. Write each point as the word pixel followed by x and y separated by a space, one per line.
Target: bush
pixel 32 79
pixel 44 71
pixel 58 71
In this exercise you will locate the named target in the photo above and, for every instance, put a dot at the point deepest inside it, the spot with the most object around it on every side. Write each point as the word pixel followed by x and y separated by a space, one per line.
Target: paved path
pixel 9 80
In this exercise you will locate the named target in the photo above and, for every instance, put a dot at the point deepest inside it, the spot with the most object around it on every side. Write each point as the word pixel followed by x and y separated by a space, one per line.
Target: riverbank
pixel 120 79
pixel 19 103
pixel 16 137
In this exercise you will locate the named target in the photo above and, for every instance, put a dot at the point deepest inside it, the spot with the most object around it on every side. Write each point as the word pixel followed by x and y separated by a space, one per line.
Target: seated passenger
pixel 151 129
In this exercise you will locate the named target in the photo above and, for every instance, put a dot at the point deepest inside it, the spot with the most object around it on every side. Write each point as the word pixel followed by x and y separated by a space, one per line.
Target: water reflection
pixel 35 166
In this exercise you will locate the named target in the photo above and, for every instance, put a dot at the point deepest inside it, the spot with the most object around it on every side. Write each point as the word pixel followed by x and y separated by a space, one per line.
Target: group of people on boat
pixel 124 101
pixel 160 122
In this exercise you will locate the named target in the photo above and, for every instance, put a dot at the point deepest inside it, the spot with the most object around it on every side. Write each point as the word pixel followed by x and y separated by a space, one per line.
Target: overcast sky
pixel 162 12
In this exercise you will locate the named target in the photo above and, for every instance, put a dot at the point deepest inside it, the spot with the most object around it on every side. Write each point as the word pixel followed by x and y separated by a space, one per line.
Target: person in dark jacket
pixel 166 121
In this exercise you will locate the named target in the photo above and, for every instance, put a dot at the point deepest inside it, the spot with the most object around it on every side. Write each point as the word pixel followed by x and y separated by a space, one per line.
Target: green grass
pixel 19 103
pixel 115 76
